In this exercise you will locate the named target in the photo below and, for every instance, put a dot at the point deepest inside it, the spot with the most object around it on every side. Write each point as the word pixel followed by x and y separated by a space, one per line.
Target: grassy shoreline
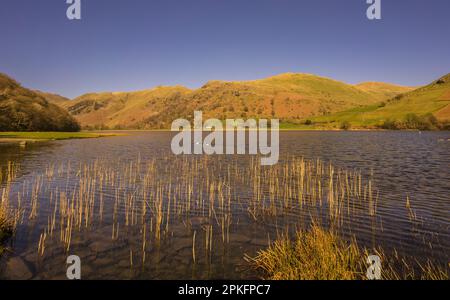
pixel 282 128
pixel 11 137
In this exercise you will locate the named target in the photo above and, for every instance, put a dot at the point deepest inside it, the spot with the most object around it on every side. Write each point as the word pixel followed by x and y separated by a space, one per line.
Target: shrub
pixel 346 125
pixel 390 125
pixel 427 122
pixel 413 121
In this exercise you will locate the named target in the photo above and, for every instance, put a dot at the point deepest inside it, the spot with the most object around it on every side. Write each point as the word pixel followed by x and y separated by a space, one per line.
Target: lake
pixel 130 209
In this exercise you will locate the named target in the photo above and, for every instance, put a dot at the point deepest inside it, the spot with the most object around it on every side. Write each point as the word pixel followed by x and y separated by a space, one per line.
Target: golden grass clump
pixel 6 227
pixel 4 224
pixel 8 216
pixel 314 255
pixel 320 254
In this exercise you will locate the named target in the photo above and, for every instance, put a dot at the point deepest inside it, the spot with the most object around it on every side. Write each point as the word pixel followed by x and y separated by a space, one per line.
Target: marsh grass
pixel 312 255
pixel 320 254
pixel 5 228
pixel 9 217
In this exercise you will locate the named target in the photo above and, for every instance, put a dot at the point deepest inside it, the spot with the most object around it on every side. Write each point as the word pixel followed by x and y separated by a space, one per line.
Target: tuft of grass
pixel 320 254
pixel 314 255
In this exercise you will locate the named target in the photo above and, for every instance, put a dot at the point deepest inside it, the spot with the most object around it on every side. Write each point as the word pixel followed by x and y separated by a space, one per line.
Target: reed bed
pixel 209 197
pixel 9 217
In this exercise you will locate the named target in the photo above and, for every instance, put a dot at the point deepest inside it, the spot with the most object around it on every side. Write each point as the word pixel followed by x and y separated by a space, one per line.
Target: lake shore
pixel 32 137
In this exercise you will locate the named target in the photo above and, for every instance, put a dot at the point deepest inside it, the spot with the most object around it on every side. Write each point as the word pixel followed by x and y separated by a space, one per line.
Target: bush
pixel 413 121
pixel 308 122
pixel 346 125
pixel 427 122
pixel 390 125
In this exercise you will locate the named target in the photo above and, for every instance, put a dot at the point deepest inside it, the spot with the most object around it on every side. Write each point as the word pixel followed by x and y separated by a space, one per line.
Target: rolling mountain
pixel 288 97
pixel 428 104
pixel 25 110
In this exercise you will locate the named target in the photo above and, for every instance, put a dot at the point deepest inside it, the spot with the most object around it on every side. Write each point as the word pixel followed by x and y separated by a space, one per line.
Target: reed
pixel 149 196
pixel 9 216
pixel 193 247
pixel 5 228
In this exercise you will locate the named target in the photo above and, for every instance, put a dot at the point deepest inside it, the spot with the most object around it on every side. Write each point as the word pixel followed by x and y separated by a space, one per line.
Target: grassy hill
pixel 25 110
pixel 427 107
pixel 52 98
pixel 142 109
pixel 383 90
pixel 289 97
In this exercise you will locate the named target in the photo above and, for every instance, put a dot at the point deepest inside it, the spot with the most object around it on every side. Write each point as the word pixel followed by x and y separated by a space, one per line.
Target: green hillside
pixel 427 107
pixel 383 90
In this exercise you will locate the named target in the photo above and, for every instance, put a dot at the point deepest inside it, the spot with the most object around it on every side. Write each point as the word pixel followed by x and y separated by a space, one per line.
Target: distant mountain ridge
pixel 295 99
pixel 287 96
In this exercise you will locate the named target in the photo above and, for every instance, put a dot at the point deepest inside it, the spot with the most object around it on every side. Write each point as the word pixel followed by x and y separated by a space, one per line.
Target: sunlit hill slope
pixel 24 110
pixel 428 104
pixel 289 97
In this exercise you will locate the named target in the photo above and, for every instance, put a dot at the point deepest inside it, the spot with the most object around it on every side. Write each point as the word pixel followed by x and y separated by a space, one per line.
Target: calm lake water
pixel 197 242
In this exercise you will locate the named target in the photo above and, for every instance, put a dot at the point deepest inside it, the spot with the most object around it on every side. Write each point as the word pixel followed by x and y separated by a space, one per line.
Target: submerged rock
pixel 98 246
pixel 239 238
pixel 197 222
pixel 17 269
pixel 260 242
pixel 180 244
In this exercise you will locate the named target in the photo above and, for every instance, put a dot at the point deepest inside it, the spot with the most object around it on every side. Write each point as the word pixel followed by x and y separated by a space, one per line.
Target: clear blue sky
pixel 122 45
